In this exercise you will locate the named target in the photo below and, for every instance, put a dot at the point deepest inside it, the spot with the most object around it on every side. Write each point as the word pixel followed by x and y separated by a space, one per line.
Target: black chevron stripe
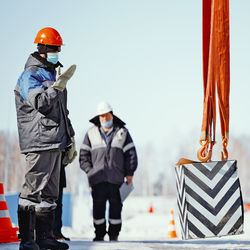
pixel 183 227
pixel 211 192
pixel 181 195
pixel 208 223
pixel 179 184
pixel 184 230
pixel 179 175
pixel 178 181
pixel 210 173
pixel 180 207
pixel 214 210
pixel 195 230
pixel 236 226
pixel 183 224
pixel 182 211
pixel 180 191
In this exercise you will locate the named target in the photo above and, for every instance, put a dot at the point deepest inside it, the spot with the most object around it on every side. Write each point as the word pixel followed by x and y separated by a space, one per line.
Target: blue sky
pixel 142 56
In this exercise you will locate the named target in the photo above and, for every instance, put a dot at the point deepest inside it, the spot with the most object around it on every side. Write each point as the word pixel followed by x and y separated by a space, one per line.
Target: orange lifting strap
pixel 216 73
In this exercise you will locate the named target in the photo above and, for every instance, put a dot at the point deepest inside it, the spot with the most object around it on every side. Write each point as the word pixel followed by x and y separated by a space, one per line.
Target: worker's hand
pixel 70 153
pixel 129 179
pixel 62 79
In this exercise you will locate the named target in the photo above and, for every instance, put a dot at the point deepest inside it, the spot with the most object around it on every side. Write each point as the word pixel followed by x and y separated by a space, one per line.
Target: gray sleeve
pixel 71 130
pixel 85 155
pixel 130 156
pixel 43 99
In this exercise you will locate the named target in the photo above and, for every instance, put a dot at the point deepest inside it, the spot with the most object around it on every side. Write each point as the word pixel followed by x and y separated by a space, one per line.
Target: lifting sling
pixel 216 75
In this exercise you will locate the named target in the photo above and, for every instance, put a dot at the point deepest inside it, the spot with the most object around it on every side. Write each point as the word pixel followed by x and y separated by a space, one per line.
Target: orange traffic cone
pixel 7 232
pixel 171 227
pixel 151 209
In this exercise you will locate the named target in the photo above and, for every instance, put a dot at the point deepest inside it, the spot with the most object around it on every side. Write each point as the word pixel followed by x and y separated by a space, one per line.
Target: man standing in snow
pixel 107 155
pixel 45 131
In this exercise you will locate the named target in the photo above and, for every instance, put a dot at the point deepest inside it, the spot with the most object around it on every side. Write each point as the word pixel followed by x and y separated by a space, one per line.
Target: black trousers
pixel 58 213
pixel 101 193
pixel 59 202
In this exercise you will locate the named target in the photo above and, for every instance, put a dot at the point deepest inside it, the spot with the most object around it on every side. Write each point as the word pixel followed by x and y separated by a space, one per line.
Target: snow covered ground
pixel 141 229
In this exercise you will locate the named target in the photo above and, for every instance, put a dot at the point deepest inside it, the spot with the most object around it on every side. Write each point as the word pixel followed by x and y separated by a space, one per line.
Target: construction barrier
pixel 7 232
pixel 171 226
pixel 151 209
pixel 209 199
pixel 246 207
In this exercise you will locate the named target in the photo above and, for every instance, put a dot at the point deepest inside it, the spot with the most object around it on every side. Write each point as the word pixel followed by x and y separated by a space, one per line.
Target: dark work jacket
pixel 108 162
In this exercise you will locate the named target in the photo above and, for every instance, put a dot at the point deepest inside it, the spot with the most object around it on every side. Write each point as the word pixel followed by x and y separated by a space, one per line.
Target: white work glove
pixel 70 153
pixel 62 79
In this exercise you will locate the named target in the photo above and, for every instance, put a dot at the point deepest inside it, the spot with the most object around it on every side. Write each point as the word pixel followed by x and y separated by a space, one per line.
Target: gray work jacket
pixel 42 115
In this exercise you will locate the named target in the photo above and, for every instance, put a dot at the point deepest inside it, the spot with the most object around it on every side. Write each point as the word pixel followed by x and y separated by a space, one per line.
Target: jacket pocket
pixel 28 129
pixel 48 130
pixel 48 123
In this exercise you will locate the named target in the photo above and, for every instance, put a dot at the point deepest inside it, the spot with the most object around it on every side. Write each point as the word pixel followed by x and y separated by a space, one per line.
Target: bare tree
pixel 11 162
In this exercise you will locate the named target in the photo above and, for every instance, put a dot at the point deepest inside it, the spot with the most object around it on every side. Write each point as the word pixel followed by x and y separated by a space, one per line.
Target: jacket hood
pixel 36 60
pixel 117 121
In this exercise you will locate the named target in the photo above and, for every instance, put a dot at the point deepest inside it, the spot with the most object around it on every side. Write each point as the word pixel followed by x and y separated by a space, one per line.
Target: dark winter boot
pixel 60 236
pixel 113 237
pixel 26 222
pixel 100 231
pixel 113 231
pixel 44 235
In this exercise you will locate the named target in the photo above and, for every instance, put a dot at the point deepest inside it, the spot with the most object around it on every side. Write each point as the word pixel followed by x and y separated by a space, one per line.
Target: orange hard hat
pixel 48 36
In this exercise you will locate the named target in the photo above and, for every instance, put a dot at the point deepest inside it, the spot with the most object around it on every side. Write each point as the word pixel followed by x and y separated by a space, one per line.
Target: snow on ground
pixel 141 230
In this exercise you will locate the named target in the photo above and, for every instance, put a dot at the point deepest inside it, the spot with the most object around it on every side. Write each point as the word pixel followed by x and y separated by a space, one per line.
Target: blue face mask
pixel 107 124
pixel 52 57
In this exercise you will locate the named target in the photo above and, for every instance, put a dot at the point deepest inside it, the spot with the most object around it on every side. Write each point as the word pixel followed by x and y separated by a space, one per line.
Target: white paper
pixel 125 190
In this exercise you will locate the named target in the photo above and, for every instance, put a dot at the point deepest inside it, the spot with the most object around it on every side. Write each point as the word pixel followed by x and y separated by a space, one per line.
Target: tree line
pixel 155 175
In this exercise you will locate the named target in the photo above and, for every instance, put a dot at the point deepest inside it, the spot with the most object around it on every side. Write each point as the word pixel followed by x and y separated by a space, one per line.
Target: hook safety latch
pixel 224 154
pixel 204 154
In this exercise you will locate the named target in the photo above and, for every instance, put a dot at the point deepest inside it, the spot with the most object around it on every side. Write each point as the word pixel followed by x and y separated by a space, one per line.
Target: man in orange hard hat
pixel 45 133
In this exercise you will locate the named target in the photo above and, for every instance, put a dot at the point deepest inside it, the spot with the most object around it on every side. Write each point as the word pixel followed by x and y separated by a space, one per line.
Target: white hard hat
pixel 103 108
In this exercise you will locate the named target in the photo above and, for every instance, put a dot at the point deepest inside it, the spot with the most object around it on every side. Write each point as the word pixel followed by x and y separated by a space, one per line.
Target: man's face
pixel 105 117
